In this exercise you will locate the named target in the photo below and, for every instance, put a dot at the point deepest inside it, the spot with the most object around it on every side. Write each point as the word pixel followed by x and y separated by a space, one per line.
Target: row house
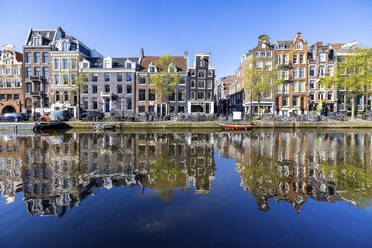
pixel 201 86
pixel 291 59
pixel 264 58
pixel 11 92
pixel 222 93
pixel 66 63
pixel 322 62
pixel 111 86
pixel 147 101
pixel 36 65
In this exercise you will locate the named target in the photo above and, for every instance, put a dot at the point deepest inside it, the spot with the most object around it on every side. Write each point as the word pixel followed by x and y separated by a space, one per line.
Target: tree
pixel 353 75
pixel 166 78
pixel 259 82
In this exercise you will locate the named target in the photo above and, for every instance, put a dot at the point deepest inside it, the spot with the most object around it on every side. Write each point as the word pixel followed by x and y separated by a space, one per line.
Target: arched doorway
pixel 8 109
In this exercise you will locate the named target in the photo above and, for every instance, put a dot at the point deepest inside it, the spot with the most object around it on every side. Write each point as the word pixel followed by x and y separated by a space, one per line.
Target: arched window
pixel 57 96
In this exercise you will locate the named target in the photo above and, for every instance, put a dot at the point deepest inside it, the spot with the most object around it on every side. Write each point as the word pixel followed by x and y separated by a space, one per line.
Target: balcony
pixel 36 78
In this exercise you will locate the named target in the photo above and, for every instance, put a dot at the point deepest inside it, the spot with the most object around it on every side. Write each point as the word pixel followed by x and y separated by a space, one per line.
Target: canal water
pixel 187 189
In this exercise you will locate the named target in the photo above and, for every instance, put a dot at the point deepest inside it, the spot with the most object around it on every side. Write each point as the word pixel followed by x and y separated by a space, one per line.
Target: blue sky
pixel 227 29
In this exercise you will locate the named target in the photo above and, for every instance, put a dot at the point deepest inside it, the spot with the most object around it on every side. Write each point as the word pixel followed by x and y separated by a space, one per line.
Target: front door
pixel 107 105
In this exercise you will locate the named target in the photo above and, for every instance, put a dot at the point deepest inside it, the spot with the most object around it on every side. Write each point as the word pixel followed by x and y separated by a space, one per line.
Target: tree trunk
pixel 352 108
pixel 259 108
pixel 78 103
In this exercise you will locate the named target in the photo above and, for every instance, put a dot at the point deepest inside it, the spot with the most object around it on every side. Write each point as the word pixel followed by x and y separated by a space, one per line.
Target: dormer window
pixel 129 65
pixel 48 34
pixel 298 46
pixel 64 46
pixel 73 47
pixel 202 62
pixel 37 41
pixel 107 63
pixel 171 68
pixel 85 65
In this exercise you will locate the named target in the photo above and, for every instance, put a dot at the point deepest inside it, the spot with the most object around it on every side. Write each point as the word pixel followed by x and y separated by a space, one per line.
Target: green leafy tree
pixel 353 75
pixel 259 82
pixel 166 78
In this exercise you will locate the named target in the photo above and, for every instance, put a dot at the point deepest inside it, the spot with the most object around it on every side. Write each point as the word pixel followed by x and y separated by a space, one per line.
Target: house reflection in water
pixel 286 166
pixel 56 172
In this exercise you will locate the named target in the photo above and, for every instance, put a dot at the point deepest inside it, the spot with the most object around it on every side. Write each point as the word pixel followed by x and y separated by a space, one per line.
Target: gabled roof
pixel 179 61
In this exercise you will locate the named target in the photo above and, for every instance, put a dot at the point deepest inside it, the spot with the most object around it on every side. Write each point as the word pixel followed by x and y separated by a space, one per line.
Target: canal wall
pixel 173 125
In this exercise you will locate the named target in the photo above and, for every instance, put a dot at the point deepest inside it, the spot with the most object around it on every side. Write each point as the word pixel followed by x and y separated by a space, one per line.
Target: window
pixel 302 72
pixel 64 46
pixel 16 96
pixel 320 86
pixel 65 64
pixel 7 61
pixel 129 103
pixel 201 73
pixel 107 77
pixel 8 71
pixel 45 57
pixel 286 88
pixel 28 72
pixel 142 80
pixel 56 79
pixel 294 101
pixel 201 84
pixel 302 86
pixel 312 71
pixel 73 64
pixel 65 96
pixel 180 96
pixel 298 46
pixel 312 84
pixel 286 74
pixel 142 95
pixel 202 62
pixel 192 95
pixel 302 58
pixel 259 65
pixel 107 88
pixel 268 66
pixel 152 68
pixel 28 88
pixel 2 97
pixel 279 88
pixel 294 87
pixel 278 58
pixel 257 54
pixel 129 77
pixel 129 89
pixel 95 77
pixel 119 76
pixel 1 71
pixel 285 101
pixel 9 83
pixel 330 70
pixel 192 72
pixel 295 72
pixel 37 57
pixel 119 89
pixel 46 72
pixel 95 103
pixel 210 73
pixel 192 83
pixel 129 65
pixel 269 54
pixel 322 57
pixel 86 65
pixel 330 96
pixel 141 109
pixel 8 97
pixel 201 95
pixel 17 83
pixel 295 58
pixel 321 71
pixel 37 72
pixel 263 54
pixel 285 59
pixel 321 95
pixel 28 58
pixel 151 95
pixel 312 97
pixel 209 84
pixel 56 64
pixel 94 89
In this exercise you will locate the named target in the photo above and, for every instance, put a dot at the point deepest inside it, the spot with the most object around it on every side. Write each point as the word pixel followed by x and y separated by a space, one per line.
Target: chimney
pixel 186 54
pixel 142 53
pixel 319 43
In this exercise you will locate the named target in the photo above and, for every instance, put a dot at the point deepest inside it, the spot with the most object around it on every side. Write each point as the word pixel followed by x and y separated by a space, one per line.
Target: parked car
pixel 46 117
pixel 61 115
pixel 92 115
pixel 13 117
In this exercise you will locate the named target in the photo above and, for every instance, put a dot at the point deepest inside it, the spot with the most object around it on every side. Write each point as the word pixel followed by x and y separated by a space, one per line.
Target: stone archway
pixel 9 109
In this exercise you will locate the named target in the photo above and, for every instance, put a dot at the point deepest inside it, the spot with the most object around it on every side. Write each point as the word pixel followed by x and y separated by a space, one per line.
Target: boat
pixel 230 126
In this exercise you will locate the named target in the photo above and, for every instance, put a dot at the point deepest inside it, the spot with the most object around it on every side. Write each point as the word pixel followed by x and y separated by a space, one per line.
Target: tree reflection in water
pixel 59 171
